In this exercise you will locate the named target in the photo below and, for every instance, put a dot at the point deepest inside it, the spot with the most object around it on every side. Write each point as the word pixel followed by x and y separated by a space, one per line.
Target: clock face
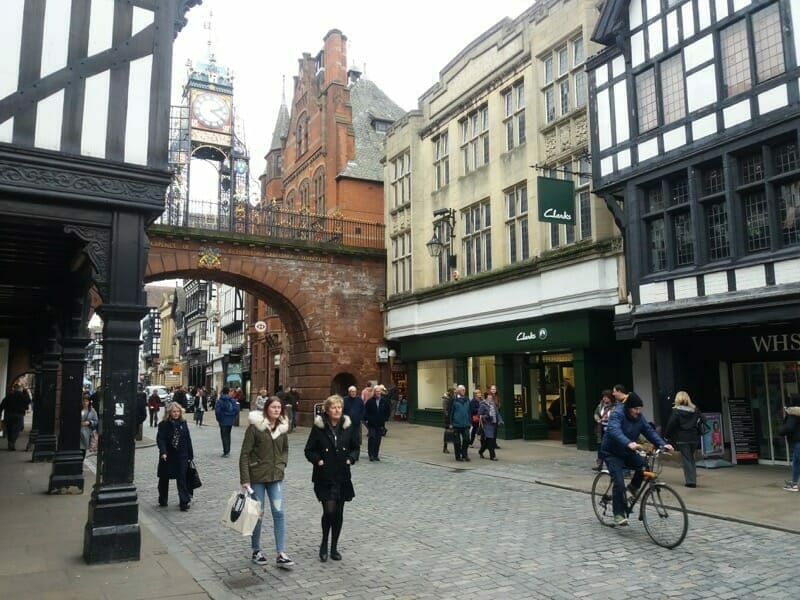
pixel 211 111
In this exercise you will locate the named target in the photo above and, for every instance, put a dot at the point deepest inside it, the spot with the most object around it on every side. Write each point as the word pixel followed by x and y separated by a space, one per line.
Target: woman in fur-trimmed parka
pixel 332 447
pixel 262 462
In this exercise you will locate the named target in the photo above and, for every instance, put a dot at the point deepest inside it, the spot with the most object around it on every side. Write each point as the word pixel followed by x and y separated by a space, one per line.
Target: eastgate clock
pixel 211 110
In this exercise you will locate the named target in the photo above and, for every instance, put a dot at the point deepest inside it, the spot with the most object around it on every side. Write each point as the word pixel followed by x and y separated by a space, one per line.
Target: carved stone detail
pixel 565 137
pixel 550 145
pixel 581 131
pixel 63 181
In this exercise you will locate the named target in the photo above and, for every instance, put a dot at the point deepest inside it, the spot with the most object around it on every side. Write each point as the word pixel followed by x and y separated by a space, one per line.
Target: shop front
pixel 549 373
pixel 745 374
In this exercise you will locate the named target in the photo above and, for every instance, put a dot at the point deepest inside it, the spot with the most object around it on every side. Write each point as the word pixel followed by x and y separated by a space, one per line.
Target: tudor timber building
pixel 510 300
pixel 84 106
pixel 696 113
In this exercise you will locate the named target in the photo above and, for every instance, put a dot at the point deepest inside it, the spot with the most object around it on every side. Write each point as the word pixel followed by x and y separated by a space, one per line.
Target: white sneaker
pixel 259 558
pixel 283 561
pixel 791 487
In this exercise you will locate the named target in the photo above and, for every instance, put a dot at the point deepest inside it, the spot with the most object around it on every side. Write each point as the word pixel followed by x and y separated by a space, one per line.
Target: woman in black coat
pixel 175 451
pixel 332 447
pixel 682 431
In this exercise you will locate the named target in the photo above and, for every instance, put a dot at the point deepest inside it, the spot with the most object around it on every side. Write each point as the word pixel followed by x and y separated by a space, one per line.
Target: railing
pixel 272 221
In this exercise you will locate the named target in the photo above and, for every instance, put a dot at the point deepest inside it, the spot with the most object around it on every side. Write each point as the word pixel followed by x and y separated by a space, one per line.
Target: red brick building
pixel 324 158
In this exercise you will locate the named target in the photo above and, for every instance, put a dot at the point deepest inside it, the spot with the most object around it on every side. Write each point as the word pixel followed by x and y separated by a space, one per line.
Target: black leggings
pixel 332 517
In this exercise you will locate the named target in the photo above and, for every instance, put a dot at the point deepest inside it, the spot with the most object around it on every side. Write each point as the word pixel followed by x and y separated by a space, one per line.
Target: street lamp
pixel 443 217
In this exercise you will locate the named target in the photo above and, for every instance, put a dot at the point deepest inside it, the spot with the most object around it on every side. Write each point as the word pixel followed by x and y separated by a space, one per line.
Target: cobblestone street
pixel 417 530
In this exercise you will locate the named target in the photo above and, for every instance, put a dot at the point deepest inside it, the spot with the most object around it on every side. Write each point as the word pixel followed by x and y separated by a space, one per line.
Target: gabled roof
pixel 369 104
pixel 612 17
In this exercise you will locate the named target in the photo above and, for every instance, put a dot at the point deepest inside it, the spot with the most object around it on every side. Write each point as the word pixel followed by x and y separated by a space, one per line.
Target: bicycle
pixel 661 508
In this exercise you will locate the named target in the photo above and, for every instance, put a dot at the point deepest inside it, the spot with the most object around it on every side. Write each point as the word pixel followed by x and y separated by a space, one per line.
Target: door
pixel 768 386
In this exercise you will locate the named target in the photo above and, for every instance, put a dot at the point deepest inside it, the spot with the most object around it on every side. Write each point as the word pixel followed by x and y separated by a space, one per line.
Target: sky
pixel 402 47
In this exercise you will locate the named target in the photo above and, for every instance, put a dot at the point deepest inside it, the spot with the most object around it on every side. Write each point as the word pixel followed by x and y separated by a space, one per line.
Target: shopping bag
pixel 193 477
pixel 242 512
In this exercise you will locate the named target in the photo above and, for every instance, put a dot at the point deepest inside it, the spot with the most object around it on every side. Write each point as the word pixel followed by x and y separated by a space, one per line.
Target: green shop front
pixel 549 373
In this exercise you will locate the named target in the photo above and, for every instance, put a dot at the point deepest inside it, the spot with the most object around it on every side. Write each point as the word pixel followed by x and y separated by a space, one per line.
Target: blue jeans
pixel 273 489
pixel 796 462
pixel 616 465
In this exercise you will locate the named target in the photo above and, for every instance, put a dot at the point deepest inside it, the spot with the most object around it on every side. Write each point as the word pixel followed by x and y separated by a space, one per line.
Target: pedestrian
pixel 153 405
pixel 496 399
pixel 261 399
pixel 460 422
pixel 353 407
pixel 332 448
pixel 89 422
pixel 447 399
pixel 175 451
pixel 376 413
pixel 490 418
pixel 474 405
pixel 226 410
pixel 367 393
pixel 601 414
pixel 682 431
pixel 179 396
pixel 293 400
pixel 791 429
pixel 402 407
pixel 262 463
pixel 13 408
pixel 200 406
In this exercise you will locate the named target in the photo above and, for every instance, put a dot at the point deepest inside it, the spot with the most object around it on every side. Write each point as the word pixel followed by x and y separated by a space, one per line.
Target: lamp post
pixel 444 219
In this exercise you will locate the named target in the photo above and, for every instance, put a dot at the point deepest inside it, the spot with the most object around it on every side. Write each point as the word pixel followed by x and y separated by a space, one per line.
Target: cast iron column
pixel 45 447
pixel 112 530
pixel 37 393
pixel 67 474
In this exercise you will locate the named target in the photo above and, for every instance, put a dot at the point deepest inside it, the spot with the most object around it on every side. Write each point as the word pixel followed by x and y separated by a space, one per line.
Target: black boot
pixel 323 551
pixel 335 554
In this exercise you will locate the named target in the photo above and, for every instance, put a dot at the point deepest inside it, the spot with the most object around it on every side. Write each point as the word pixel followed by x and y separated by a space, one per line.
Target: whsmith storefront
pixel 549 372
pixel 754 368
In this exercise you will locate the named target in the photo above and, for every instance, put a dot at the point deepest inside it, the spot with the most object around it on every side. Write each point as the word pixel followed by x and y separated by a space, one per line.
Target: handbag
pixel 242 512
pixel 193 477
pixel 449 436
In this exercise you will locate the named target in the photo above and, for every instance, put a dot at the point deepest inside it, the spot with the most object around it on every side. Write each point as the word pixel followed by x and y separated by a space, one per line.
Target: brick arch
pixel 329 303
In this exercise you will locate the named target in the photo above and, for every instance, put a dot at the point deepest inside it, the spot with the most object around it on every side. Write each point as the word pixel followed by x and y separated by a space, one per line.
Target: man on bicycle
pixel 620 445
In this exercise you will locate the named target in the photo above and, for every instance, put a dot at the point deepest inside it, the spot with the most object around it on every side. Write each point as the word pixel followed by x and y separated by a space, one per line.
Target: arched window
pixel 319 192
pixel 290 198
pixel 304 194
pixel 302 134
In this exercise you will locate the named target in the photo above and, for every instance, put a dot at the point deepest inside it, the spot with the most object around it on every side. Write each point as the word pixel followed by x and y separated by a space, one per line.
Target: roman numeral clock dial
pixel 211 111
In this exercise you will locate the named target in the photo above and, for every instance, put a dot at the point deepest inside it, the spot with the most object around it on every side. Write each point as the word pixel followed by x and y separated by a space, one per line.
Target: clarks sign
pixel 780 342
pixel 556 199
pixel 527 336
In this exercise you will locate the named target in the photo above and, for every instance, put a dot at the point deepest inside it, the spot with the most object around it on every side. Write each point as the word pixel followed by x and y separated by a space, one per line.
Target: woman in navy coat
pixel 175 451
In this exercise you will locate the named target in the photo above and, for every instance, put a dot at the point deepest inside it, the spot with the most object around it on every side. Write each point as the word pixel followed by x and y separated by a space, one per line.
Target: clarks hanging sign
pixel 556 199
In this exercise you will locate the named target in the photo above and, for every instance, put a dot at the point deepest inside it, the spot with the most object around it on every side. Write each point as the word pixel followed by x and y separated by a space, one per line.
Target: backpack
pixel 701 425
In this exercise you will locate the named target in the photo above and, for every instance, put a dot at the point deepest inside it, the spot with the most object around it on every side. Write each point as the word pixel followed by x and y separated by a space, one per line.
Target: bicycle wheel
pixel 601 498
pixel 664 516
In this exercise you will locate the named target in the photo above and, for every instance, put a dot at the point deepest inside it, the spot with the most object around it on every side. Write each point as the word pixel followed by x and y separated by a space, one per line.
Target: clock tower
pixel 204 128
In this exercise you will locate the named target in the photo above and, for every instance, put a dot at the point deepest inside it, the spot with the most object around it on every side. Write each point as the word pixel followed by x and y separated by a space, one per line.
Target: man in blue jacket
pixel 620 445
pixel 460 422
pixel 226 410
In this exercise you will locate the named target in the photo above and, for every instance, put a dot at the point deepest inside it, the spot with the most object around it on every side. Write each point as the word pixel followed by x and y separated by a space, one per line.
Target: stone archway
pixel 330 303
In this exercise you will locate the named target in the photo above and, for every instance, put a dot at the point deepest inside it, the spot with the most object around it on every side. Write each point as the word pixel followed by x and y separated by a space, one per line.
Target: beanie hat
pixel 633 401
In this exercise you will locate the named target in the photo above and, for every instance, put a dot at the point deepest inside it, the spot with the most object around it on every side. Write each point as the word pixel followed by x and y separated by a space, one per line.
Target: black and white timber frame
pixel 84 117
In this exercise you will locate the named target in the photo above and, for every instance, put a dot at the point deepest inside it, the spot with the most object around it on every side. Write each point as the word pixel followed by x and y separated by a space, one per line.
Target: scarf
pixel 176 433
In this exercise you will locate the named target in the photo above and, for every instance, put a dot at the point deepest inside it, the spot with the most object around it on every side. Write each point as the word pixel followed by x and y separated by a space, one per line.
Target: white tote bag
pixel 241 513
